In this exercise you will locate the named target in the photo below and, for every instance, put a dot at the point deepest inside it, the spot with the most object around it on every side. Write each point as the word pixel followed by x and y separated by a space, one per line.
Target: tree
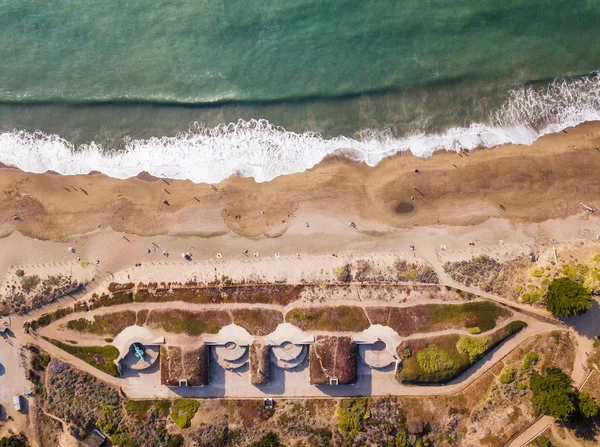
pixel 565 298
pixel 14 441
pixel 587 405
pixel 553 393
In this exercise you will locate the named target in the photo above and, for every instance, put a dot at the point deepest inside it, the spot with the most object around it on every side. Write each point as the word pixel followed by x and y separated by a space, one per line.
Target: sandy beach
pixel 486 195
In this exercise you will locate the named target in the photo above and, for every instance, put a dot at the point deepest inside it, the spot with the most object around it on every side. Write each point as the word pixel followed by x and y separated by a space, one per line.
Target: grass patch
pixel 105 324
pixel 438 360
pixel 100 357
pixel 183 411
pixel 482 315
pixel 433 359
pixel 188 322
pixel 143 409
pixel 257 321
pixel 329 318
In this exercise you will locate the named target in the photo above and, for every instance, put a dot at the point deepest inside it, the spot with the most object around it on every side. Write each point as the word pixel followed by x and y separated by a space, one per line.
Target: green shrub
pixel 565 297
pixel 530 359
pixel 474 330
pixel 351 414
pixel 522 385
pixel 553 393
pixel 542 441
pixel 473 347
pixel 508 375
pixel 343 274
pixel 183 410
pixel 269 440
pixel 434 359
pixel 20 273
pixel 587 405
pixel 537 272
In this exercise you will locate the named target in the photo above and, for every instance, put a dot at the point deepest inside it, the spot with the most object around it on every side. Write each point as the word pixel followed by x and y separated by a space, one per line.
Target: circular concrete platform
pixel 133 362
pixel 289 355
pixel 375 355
pixel 230 355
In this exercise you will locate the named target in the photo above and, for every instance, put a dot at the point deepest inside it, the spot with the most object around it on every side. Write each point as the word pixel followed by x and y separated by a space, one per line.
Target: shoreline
pixel 533 183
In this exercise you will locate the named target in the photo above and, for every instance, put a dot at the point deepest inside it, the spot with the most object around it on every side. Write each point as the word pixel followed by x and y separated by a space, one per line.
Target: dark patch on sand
pixel 404 208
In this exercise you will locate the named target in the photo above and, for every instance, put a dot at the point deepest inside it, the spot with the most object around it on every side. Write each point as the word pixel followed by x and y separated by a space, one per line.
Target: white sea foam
pixel 264 151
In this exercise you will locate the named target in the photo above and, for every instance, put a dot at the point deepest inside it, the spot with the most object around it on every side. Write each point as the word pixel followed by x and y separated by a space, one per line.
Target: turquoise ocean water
pixel 206 89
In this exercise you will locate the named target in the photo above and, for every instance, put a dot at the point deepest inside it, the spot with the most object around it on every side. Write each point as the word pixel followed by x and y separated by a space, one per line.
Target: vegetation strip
pixel 100 357
pixel 482 315
pixel 191 323
pixel 104 324
pixel 329 318
pixel 437 360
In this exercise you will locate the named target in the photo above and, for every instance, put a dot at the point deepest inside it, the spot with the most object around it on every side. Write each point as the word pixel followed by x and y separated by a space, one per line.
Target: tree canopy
pixel 565 298
pixel 14 441
pixel 552 393
pixel 587 405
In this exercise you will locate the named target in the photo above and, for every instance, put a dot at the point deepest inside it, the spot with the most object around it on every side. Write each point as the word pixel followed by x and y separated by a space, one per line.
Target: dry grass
pixel 259 364
pixel 329 318
pixel 192 323
pixel 332 358
pixel 257 321
pixel 251 294
pixel 437 317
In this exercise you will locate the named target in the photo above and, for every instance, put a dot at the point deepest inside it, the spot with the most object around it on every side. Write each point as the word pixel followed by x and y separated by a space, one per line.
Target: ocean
pixel 203 90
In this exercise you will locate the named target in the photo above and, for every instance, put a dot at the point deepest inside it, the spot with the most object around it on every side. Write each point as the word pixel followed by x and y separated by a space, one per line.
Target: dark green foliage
pixel 542 441
pixel 14 441
pixel 269 440
pixel 565 298
pixel 48 318
pixel 553 393
pixel 175 441
pixel 39 361
pixel 588 407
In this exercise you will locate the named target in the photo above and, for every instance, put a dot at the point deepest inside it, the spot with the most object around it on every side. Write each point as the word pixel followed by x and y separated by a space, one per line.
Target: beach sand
pixel 454 199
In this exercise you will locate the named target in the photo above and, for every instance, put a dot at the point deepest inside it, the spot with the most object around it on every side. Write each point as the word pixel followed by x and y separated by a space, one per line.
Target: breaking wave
pixel 262 150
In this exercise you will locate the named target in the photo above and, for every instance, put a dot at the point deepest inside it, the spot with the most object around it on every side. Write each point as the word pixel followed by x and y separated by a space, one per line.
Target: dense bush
pixel 269 440
pixel 508 375
pixel 553 393
pixel 351 413
pixel 587 405
pixel 529 360
pixel 14 441
pixel 472 346
pixel 565 297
